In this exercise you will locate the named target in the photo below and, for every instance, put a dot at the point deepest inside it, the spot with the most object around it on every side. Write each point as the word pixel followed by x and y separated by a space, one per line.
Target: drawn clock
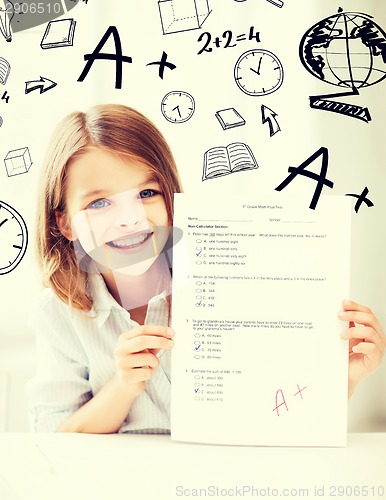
pixel 258 72
pixel 177 106
pixel 13 238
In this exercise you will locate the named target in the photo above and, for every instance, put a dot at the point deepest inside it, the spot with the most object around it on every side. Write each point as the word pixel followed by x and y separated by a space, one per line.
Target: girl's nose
pixel 130 215
pixel 127 223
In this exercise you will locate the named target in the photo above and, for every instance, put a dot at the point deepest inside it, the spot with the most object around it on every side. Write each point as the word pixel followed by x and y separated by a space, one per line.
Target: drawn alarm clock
pixel 13 238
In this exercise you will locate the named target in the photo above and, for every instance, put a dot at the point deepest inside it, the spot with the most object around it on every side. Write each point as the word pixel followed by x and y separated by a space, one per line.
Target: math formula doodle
pixel 226 40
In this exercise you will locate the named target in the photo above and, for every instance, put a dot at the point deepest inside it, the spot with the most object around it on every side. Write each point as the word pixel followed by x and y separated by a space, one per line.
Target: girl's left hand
pixel 367 341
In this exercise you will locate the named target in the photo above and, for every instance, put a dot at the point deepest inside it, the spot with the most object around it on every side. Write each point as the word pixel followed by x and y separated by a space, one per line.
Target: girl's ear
pixel 64 226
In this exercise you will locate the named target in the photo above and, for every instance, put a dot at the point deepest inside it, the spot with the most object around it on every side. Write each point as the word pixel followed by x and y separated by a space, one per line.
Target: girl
pixel 106 192
pixel 104 220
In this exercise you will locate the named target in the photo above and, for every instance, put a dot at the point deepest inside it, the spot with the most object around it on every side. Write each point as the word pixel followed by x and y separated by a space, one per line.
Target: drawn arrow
pixel 267 115
pixel 43 85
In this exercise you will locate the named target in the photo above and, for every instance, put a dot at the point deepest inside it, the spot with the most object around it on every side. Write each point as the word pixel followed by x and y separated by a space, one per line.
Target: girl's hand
pixel 367 341
pixel 136 355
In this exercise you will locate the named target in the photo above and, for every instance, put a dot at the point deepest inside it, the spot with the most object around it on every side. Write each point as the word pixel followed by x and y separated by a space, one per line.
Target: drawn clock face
pixel 177 106
pixel 13 238
pixel 258 72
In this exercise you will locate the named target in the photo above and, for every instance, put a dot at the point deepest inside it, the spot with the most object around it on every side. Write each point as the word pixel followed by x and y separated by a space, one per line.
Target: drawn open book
pixel 224 160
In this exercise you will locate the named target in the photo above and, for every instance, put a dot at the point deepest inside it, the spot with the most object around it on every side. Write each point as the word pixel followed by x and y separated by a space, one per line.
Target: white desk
pixel 135 467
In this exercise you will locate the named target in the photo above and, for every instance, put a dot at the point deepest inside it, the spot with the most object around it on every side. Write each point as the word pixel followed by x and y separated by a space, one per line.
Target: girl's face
pixel 116 209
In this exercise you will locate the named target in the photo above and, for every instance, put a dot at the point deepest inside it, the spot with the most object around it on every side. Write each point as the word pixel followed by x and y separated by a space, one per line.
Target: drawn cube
pixel 182 15
pixel 18 161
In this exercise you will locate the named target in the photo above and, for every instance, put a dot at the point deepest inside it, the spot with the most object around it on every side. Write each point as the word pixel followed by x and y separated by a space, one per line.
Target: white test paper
pixel 257 286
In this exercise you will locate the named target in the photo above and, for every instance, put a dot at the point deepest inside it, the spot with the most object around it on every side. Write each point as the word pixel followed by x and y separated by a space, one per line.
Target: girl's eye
pixel 102 203
pixel 148 193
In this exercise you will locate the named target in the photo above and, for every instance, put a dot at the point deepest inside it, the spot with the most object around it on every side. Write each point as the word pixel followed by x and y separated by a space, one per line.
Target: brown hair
pixel 117 129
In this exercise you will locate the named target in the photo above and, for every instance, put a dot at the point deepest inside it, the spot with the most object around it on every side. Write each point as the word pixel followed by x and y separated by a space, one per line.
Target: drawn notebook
pixel 58 34
pixel 224 160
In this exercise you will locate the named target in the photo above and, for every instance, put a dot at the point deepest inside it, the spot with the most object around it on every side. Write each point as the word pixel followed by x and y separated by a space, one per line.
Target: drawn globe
pixel 347 49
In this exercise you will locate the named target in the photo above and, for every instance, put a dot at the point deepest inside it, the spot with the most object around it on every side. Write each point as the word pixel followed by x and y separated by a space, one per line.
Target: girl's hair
pixel 117 129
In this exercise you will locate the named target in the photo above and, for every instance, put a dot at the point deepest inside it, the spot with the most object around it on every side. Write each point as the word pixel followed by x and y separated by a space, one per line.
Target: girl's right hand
pixel 136 355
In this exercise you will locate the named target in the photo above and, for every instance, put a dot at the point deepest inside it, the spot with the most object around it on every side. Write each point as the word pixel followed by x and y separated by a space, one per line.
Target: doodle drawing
pixel 258 72
pixel 177 106
pixel 347 50
pixel 6 15
pixel 361 198
pixel 5 69
pixel 269 116
pixel 58 34
pixel 18 161
pixel 14 238
pixel 97 54
pixel 277 3
pixel 229 118
pixel 162 65
pixel 320 179
pixel 182 15
pixel 226 40
pixel 5 97
pixel 43 84
pixel 224 160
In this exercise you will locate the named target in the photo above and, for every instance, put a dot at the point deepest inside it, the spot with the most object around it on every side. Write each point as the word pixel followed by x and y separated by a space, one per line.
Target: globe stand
pixel 323 102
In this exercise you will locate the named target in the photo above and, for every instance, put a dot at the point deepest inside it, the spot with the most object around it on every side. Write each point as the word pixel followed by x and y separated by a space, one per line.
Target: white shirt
pixel 76 359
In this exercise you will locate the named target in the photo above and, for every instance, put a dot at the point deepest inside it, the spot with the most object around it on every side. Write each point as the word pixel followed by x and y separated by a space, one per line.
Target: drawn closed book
pixel 224 160
pixel 58 34
pixel 229 118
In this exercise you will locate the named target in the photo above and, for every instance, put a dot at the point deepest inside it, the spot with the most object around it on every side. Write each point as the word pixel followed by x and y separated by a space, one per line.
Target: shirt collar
pixel 104 302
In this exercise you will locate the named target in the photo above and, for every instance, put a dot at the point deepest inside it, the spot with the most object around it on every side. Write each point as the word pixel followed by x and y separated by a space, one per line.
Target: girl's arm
pixel 135 359
pixel 104 413
pixel 367 342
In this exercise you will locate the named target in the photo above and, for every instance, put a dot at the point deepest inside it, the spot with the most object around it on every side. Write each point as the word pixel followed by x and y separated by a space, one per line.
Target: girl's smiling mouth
pixel 129 243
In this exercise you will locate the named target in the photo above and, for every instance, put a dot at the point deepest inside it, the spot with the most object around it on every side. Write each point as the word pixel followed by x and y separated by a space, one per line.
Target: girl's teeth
pixel 130 242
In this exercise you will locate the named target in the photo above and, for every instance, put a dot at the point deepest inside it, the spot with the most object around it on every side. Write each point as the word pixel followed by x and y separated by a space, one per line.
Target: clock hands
pixel 258 68
pixel 1 223
pixel 178 109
